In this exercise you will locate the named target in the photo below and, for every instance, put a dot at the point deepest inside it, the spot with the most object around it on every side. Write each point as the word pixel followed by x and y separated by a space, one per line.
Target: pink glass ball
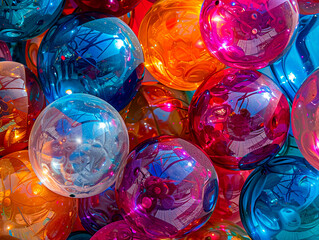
pixel 5 54
pixel 167 188
pixel 305 119
pixel 308 7
pixel 248 34
pixel 240 118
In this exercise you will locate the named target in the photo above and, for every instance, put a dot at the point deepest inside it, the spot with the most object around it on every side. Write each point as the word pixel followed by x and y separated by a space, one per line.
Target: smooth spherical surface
pixel 307 7
pixel 24 19
pixel 174 50
pixel 301 60
pixel 219 230
pixel 167 188
pixel 97 211
pixel 113 7
pixel 248 34
pixel 28 210
pixel 240 118
pixel 91 53
pixel 279 200
pixel 5 54
pixel 77 144
pixel 21 101
pixel 156 110
pixel 305 122
pixel 230 185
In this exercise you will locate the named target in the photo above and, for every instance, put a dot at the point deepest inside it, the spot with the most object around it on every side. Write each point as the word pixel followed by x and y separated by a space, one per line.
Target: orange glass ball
pixel 156 110
pixel 222 230
pixel 21 101
pixel 174 50
pixel 28 210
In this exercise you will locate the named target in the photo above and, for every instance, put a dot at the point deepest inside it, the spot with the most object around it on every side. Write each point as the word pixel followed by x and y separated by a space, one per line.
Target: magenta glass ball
pixel 240 118
pixel 167 188
pixel 248 34
pixel 305 119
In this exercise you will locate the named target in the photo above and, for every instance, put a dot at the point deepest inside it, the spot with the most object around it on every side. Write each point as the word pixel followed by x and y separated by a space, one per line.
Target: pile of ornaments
pixel 168 119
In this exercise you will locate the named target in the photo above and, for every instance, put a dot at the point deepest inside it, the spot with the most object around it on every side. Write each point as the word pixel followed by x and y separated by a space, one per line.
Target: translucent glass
pixel 24 19
pixel 280 200
pixel 240 118
pixel 307 7
pixel 248 34
pixel 91 53
pixel 28 210
pixel 5 54
pixel 167 188
pixel 77 145
pixel 174 50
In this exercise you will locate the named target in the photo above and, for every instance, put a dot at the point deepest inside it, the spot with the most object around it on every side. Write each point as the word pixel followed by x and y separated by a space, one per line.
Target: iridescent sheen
pixel 77 145
pixel 240 118
pixel 167 188
pixel 174 50
pixel 230 185
pixel 28 210
pixel 305 121
pixel 307 7
pixel 219 230
pixel 97 211
pixel 114 7
pixel 248 34
pixel 21 101
pixel 280 200
pixel 295 66
pixel 5 54
pixel 25 19
pixel 156 110
pixel 91 53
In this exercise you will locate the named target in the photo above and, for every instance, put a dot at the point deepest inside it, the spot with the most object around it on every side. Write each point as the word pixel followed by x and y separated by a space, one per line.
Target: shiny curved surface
pixel 5 54
pixel 167 188
pixel 77 145
pixel 248 34
pixel 308 7
pixel 280 200
pixel 174 50
pixel 240 118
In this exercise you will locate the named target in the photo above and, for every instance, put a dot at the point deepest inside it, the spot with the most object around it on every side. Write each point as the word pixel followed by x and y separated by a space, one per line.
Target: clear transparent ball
pixel 77 145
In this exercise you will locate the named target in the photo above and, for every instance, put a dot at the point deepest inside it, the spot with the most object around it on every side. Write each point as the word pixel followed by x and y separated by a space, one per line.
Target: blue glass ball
pixel 91 53
pixel 77 145
pixel 280 200
pixel 25 19
pixel 302 59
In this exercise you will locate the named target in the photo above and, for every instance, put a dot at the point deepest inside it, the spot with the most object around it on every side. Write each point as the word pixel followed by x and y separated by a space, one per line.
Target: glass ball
pixel 280 200
pixel 229 188
pixel 99 210
pixel 5 54
pixel 77 144
pixel 174 50
pixel 248 34
pixel 305 123
pixel 156 110
pixel 307 7
pixel 114 7
pixel 91 53
pixel 28 210
pixel 219 230
pixel 167 188
pixel 21 101
pixel 240 118
pixel 25 19
pixel 301 60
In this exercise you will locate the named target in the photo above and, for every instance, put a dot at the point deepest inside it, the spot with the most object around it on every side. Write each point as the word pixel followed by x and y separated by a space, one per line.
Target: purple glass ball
pixel 240 118
pixel 97 211
pixel 167 188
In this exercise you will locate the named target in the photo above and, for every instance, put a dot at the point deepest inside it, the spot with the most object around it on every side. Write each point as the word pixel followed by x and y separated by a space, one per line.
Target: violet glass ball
pixel 167 188
pixel 77 144
pixel 240 118
pixel 305 121
pixel 91 53
pixel 248 34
